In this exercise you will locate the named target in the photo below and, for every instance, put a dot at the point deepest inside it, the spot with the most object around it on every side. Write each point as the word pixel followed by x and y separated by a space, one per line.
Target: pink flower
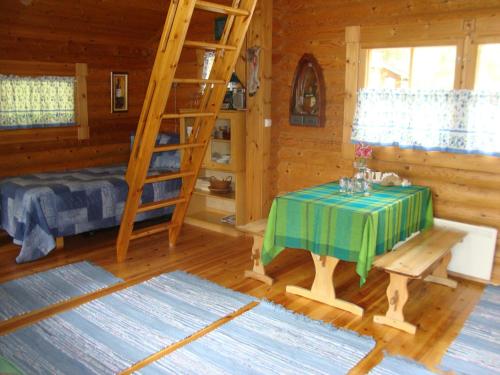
pixel 363 151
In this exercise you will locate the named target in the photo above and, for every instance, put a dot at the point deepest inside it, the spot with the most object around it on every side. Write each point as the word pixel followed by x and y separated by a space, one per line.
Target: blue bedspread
pixel 35 209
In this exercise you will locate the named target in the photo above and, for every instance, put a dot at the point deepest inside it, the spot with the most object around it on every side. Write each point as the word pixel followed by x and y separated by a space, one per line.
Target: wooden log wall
pixel 107 36
pixel 304 157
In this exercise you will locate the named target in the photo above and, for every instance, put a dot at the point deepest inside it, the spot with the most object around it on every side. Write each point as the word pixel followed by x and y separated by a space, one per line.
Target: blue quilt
pixel 37 208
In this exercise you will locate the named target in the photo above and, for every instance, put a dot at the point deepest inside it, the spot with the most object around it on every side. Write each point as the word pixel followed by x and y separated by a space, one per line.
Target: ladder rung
pixel 180 146
pixel 199 81
pixel 207 45
pixel 152 229
pixel 167 176
pixel 184 115
pixel 160 204
pixel 219 8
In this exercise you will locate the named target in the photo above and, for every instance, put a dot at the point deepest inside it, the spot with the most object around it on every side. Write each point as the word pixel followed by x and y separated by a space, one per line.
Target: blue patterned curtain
pixel 462 121
pixel 33 102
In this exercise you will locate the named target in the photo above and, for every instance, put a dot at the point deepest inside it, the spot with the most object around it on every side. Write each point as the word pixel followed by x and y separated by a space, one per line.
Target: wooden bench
pixel 257 229
pixel 425 256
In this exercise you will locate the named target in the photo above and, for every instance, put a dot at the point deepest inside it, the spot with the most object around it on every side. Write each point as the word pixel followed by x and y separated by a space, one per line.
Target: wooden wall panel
pixel 303 157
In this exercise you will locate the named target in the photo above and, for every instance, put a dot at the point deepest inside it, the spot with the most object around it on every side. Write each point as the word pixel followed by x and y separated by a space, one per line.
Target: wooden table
pixel 335 226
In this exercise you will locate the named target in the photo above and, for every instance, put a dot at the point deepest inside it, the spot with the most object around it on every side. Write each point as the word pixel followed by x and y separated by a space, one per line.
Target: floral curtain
pixel 29 102
pixel 462 121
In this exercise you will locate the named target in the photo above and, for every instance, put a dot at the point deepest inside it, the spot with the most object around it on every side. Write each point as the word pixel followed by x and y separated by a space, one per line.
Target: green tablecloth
pixel 353 228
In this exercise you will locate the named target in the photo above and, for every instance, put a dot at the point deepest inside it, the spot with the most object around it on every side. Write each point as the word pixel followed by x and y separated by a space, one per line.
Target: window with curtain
pixel 409 101
pixel 36 102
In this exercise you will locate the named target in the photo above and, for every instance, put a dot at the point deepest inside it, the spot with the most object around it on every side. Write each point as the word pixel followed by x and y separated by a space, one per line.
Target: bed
pixel 36 209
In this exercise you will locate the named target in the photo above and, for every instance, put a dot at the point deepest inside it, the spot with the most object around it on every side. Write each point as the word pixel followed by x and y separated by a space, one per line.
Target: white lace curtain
pixel 28 102
pixel 462 121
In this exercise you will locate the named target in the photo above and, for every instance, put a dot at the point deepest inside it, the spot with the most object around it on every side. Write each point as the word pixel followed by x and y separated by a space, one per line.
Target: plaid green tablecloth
pixel 354 228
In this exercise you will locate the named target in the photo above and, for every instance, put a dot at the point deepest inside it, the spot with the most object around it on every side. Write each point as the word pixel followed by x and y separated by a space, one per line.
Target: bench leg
pixel 397 295
pixel 59 243
pixel 440 273
pixel 323 288
pixel 258 272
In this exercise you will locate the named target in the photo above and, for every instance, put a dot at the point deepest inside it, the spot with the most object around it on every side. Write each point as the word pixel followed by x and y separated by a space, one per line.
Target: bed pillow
pixel 163 160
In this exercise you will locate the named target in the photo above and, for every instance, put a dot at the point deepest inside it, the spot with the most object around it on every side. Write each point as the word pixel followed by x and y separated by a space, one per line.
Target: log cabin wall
pixel 107 36
pixel 307 156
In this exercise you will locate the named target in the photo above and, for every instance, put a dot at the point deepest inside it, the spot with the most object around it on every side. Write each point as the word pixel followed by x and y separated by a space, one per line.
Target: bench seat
pixel 415 257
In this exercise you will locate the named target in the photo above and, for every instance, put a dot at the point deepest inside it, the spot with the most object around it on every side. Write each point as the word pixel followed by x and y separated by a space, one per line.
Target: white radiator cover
pixel 475 255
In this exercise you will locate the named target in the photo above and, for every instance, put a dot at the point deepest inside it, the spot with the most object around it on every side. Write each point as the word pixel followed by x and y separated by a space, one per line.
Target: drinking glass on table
pixel 367 187
pixel 345 185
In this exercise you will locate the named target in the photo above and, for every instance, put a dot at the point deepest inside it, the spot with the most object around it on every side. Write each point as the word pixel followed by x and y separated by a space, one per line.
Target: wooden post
pixel 352 40
pixel 82 114
pixel 258 142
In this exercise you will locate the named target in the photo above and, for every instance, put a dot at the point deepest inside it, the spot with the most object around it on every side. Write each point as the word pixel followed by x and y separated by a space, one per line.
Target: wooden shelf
pixel 211 219
pixel 221 140
pixel 229 196
pixel 218 167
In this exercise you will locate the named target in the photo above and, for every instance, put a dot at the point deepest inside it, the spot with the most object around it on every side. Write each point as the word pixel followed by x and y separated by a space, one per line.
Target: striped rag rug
pixel 399 365
pixel 46 288
pixel 109 334
pixel 268 339
pixel 476 350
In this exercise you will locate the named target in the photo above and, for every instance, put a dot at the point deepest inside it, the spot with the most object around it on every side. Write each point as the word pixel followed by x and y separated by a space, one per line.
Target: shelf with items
pixel 224 160
pixel 228 196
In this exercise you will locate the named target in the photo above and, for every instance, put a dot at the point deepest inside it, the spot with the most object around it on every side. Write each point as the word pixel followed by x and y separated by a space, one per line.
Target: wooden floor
pixel 438 311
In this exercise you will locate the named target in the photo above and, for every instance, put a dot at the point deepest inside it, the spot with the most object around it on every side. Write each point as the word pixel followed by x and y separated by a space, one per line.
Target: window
pixel 416 68
pixel 36 102
pixel 488 67
pixel 408 99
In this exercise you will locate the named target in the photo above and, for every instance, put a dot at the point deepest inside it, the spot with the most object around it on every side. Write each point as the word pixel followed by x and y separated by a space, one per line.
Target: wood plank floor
pixel 438 311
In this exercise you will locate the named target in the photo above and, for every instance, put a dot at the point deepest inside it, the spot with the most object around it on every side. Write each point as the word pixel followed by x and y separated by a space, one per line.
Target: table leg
pixel 440 273
pixel 323 288
pixel 397 295
pixel 258 272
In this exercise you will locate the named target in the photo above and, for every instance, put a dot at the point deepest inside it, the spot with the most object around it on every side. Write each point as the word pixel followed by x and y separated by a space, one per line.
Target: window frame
pixel 465 34
pixel 79 131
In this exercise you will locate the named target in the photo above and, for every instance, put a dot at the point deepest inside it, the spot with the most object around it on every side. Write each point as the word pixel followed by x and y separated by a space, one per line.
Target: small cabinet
pixel 224 159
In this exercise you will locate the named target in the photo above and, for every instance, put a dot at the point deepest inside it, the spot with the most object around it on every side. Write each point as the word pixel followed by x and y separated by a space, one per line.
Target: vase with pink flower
pixel 362 153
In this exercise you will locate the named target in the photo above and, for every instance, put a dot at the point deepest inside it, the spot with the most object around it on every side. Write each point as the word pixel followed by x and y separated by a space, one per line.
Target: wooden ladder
pixel 172 41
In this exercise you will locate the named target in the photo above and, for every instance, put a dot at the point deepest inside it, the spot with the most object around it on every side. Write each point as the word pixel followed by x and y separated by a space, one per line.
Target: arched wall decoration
pixel 307 103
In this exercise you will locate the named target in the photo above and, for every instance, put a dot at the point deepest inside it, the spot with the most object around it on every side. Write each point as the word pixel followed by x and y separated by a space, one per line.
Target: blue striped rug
pixel 476 350
pixel 399 365
pixel 268 339
pixel 43 289
pixel 108 335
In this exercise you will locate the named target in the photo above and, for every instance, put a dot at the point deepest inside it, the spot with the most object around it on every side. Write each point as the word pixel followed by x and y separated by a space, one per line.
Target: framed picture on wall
pixel 119 92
